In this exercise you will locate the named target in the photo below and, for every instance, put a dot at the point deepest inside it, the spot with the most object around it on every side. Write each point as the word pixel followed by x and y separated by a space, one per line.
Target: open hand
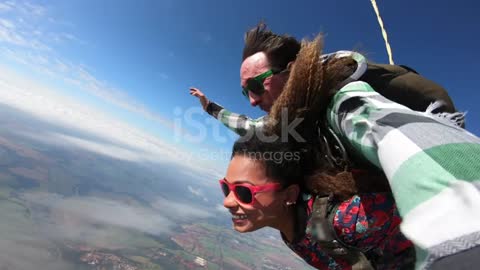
pixel 197 93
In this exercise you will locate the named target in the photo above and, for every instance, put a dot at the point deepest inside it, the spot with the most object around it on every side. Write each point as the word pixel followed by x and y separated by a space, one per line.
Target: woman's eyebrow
pixel 245 181
pixel 240 182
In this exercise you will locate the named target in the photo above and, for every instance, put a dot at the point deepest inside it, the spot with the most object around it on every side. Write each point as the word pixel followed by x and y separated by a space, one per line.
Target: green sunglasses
pixel 255 84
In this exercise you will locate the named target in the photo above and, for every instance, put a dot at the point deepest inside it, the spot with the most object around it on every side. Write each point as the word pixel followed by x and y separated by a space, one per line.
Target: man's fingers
pixel 196 92
pixel 193 92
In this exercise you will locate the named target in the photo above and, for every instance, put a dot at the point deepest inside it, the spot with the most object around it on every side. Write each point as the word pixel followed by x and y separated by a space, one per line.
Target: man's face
pixel 252 67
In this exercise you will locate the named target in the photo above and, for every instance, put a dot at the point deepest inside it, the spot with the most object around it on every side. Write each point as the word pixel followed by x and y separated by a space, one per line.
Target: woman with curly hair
pixel 265 187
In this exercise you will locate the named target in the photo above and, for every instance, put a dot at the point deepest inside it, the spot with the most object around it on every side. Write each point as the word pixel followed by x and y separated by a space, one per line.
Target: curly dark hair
pixel 283 162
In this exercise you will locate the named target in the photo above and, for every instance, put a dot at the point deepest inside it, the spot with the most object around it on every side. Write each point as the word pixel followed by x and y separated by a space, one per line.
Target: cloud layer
pixel 76 217
pixel 25 40
pixel 114 138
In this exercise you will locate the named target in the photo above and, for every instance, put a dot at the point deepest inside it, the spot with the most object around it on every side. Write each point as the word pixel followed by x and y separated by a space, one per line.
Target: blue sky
pixel 136 60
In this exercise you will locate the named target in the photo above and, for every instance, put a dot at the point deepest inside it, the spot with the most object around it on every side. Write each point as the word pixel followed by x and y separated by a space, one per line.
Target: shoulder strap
pixel 321 228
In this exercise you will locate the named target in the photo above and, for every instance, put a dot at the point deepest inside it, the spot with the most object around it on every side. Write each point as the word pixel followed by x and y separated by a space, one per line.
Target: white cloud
pixel 92 146
pixel 70 215
pixel 6 6
pixel 29 255
pixel 78 75
pixel 7 24
pixel 120 140
pixel 11 33
pixel 32 9
pixel 220 208
pixel 197 192
pixel 60 38
pixel 35 47
pixel 208 174
pixel 93 210
pixel 41 56
pixel 97 223
pixel 177 211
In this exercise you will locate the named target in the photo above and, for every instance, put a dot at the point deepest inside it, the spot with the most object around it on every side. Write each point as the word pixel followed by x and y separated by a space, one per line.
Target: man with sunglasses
pixel 262 85
pixel 267 58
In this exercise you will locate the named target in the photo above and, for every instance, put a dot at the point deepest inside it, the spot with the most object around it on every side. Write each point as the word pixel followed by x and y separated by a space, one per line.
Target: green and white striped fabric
pixel 432 165
pixel 238 123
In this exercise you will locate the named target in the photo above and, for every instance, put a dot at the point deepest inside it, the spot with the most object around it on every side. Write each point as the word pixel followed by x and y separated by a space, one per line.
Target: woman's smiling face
pixel 268 208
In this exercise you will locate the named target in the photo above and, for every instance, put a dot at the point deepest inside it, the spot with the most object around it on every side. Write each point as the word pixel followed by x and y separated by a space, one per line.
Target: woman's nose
pixel 230 201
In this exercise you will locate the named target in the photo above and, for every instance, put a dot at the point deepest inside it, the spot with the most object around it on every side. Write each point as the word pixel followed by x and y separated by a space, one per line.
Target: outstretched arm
pixel 432 165
pixel 238 123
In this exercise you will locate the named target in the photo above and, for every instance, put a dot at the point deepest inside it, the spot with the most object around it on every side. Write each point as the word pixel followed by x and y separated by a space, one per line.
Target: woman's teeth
pixel 239 216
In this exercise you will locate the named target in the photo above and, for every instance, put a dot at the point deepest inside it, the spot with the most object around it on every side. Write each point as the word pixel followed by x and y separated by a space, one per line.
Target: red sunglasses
pixel 245 193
